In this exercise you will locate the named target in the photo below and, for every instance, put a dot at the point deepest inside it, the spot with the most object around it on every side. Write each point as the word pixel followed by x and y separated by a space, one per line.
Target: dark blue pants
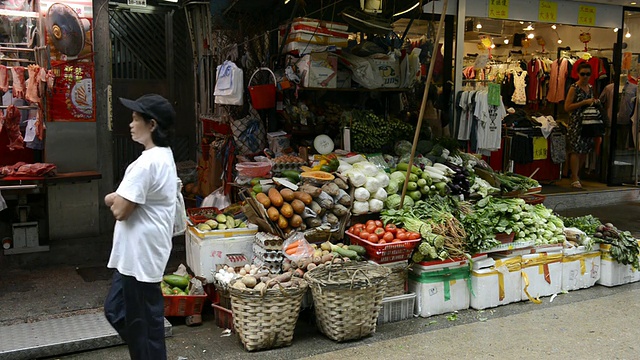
pixel 136 310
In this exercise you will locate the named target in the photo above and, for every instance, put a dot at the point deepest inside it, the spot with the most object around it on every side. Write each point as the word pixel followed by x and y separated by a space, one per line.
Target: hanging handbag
pixel 229 89
pixel 180 223
pixel 592 122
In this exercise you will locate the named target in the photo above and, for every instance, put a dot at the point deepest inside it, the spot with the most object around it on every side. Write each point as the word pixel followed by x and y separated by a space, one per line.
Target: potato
pixel 282 222
pixel 263 199
pixel 273 214
pixel 261 286
pixel 275 197
pixel 249 281
pixel 239 285
pixel 298 206
pixel 287 194
pixel 286 210
pixel 295 221
pixel 304 197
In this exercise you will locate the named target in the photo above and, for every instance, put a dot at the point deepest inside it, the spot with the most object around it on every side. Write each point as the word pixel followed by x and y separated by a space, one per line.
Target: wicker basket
pixel 347 298
pixel 397 280
pixel 266 320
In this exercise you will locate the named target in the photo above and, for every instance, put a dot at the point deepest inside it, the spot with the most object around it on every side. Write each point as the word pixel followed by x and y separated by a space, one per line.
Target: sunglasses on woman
pixel 585 74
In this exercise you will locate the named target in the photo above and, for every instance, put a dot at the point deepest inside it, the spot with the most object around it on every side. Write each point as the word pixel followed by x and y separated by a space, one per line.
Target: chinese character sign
pixel 587 15
pixel 540 147
pixel 548 11
pixel 499 9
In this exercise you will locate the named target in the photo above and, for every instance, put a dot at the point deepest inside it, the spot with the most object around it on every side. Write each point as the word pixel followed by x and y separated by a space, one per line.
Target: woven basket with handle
pixel 267 319
pixel 347 298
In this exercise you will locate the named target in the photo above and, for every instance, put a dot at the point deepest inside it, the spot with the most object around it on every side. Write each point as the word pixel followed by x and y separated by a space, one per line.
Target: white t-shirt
pixel 490 117
pixel 142 242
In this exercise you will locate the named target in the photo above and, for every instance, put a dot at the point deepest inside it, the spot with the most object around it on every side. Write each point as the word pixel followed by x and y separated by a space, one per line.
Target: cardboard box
pixel 580 268
pixel 496 282
pixel 541 275
pixel 318 39
pixel 319 70
pixel 440 286
pixel 613 273
pixel 344 79
pixel 205 254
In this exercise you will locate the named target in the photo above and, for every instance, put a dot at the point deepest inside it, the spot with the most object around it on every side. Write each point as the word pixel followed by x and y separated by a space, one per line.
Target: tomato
pixel 371 228
pixel 414 236
pixel 356 231
pixel 370 222
pixel 351 229
pixel 358 226
pixel 400 236
pixel 379 231
pixel 379 223
pixel 396 241
pixel 388 236
pixel 391 228
pixel 364 235
pixel 373 238
pixel 382 242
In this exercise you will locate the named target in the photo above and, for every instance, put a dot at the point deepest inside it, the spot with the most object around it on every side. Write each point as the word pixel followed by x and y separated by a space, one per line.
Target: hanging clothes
pixel 519 95
pixel 489 128
pixel 558 77
pixel 596 70
pixel 466 115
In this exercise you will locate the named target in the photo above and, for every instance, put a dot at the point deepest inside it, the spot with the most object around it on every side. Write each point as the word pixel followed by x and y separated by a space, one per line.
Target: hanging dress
pixel 577 143
pixel 519 96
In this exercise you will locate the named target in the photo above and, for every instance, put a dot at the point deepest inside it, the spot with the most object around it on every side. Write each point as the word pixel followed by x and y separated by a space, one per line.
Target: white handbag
pixel 180 223
pixel 229 89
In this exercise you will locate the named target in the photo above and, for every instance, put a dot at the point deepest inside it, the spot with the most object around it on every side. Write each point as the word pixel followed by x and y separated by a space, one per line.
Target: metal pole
pixel 425 97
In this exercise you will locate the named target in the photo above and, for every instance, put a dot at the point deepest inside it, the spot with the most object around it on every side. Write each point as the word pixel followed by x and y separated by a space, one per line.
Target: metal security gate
pixel 150 55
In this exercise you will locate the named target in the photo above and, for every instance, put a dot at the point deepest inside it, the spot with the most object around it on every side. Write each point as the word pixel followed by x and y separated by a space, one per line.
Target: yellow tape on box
pixel 541 275
pixel 498 285
pixel 580 271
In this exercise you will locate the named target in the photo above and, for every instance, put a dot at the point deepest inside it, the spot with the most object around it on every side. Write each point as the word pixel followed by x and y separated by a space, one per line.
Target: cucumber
pixel 358 249
pixel 414 169
pixel 291 174
pixel 176 281
pixel 344 252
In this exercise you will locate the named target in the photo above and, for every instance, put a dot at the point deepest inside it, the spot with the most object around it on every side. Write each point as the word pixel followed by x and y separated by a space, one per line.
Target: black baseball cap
pixel 154 106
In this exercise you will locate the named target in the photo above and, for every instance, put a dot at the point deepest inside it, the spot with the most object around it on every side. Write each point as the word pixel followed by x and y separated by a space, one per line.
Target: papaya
pixel 318 175
pixel 176 280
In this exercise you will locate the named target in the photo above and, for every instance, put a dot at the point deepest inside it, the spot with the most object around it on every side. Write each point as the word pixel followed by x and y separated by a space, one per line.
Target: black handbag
pixel 592 122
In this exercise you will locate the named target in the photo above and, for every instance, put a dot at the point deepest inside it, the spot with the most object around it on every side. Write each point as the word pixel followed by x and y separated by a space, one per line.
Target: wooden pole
pixel 425 97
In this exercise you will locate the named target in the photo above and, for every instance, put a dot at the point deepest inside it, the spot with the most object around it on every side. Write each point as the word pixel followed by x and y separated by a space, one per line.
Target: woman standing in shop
pixel 580 96
pixel 144 206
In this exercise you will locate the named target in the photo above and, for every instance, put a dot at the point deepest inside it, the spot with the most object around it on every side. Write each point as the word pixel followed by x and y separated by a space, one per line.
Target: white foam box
pixel 580 268
pixel 541 274
pixel 613 273
pixel 204 254
pixel 319 70
pixel 496 282
pixel 440 286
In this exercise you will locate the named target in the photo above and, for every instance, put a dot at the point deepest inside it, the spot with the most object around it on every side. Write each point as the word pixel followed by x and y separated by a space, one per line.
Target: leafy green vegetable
pixel 589 223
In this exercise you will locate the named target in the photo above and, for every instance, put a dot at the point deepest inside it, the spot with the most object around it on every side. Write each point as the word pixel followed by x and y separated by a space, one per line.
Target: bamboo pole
pixel 425 97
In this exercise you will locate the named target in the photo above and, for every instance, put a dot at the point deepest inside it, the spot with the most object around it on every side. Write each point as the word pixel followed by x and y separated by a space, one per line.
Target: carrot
pixel 293 245
pixel 291 251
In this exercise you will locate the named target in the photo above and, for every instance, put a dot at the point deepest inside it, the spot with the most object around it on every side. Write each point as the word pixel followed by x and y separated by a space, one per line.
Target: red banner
pixel 72 97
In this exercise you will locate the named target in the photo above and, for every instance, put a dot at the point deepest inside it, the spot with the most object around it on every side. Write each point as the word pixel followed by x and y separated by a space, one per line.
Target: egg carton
pixel 270 255
pixel 278 167
pixel 268 241
pixel 273 267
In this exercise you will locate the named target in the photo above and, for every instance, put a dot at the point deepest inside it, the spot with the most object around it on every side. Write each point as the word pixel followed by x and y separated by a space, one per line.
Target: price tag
pixel 499 9
pixel 540 147
pixel 587 15
pixel 548 11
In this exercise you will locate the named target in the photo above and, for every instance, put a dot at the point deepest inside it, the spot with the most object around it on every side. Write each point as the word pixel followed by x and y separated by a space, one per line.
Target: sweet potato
pixel 286 210
pixel 282 222
pixel 263 199
pixel 273 214
pixel 303 196
pixel 295 221
pixel 287 194
pixel 298 206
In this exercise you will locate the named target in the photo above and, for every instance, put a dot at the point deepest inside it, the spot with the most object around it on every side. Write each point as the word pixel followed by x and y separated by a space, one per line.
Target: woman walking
pixel 144 206
pixel 579 97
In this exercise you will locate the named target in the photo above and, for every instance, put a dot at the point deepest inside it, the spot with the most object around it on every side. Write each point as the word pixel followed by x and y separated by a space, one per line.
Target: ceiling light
pixel 506 41
pixel 478 26
pixel 615 30
pixel 559 41
pixel 554 26
pixel 522 22
pixel 627 35
pixel 531 36
pixel 633 3
pixel 493 46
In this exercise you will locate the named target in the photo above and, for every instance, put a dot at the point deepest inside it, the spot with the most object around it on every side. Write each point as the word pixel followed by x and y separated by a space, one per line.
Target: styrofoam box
pixel 204 254
pixel 613 273
pixel 250 230
pixel 486 279
pixel 430 297
pixel 580 268
pixel 536 268
pixel 319 70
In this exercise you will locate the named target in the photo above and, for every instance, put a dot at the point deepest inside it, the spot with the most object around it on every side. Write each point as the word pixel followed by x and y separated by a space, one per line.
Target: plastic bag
pixel 378 161
pixel 296 247
pixel 217 199
pixel 180 220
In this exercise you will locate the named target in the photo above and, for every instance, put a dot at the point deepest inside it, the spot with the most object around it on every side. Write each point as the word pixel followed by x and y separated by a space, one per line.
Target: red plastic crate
pixel 385 253
pixel 210 126
pixel 183 305
pixel 200 215
pixel 224 317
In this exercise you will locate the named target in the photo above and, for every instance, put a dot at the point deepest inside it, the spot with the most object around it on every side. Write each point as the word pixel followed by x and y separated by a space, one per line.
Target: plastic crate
pixel 385 253
pixel 505 238
pixel 200 215
pixel 223 317
pixel 183 305
pixel 533 199
pixel 397 308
